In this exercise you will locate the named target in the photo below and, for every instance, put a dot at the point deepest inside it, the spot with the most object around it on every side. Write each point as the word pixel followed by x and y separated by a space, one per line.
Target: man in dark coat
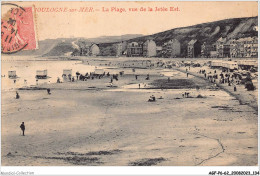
pixel 22 126
pixel 17 95
pixel 49 91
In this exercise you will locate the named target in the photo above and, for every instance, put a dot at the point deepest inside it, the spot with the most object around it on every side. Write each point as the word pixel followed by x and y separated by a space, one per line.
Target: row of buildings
pixel 243 47
pixel 223 47
pixel 171 48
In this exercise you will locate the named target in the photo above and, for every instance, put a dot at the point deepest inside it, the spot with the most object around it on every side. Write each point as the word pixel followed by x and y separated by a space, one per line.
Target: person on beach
pixel 77 74
pixel 15 81
pixel 139 86
pixel 49 91
pixel 22 126
pixel 187 75
pixel 148 77
pixel 152 98
pixel 17 95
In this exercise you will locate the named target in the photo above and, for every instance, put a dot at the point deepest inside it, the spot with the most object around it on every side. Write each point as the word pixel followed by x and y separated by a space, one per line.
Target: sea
pixel 26 67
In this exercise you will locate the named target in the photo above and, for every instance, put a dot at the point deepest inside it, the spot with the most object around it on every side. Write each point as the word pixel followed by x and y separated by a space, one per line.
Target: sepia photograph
pixel 114 83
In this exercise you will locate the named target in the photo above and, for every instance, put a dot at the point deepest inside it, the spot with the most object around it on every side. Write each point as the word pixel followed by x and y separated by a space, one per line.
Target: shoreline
pixel 239 96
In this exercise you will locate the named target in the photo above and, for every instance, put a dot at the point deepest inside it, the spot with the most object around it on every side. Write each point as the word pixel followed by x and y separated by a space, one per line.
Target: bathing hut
pixel 216 64
pixel 41 74
pixel 229 65
pixel 12 74
pixel 247 64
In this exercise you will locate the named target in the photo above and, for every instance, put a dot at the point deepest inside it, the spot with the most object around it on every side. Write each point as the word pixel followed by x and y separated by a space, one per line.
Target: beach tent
pixel 232 65
pixel 11 74
pixel 216 63
pixel 41 74
pixel 248 62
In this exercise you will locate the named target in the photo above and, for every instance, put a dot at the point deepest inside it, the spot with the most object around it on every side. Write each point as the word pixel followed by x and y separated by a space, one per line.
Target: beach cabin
pixel 41 74
pixel 12 74
pixel 229 65
pixel 67 72
pixel 216 64
pixel 232 65
pixel 247 64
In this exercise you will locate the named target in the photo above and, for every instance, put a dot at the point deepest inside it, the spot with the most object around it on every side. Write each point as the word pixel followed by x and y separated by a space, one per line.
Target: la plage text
pixel 106 9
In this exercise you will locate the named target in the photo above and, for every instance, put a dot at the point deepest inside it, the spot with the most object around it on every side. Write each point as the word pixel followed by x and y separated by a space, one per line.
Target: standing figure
pixel 49 91
pixel 148 77
pixel 22 126
pixel 17 95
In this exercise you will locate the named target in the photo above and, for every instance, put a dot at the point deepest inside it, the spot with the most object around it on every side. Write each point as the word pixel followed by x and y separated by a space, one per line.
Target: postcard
pixel 129 83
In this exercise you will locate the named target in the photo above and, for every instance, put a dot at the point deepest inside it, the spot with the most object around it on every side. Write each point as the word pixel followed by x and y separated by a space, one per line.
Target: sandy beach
pixel 90 123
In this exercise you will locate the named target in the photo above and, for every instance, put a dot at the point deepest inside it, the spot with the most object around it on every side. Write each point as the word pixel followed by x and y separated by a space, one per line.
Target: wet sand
pixel 89 123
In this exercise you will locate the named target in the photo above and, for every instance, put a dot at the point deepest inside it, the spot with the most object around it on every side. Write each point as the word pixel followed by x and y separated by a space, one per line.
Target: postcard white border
pixel 129 170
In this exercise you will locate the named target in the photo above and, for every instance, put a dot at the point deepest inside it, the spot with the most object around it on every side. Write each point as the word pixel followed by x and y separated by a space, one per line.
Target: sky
pixel 68 23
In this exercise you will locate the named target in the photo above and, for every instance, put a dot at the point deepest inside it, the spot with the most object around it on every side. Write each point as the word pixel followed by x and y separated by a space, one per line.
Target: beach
pixel 94 123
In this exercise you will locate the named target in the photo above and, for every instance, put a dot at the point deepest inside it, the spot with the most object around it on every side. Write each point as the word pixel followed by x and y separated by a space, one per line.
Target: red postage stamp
pixel 18 29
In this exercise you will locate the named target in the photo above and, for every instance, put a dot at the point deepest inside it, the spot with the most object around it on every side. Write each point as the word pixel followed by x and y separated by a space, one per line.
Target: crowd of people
pixel 89 76
pixel 229 78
